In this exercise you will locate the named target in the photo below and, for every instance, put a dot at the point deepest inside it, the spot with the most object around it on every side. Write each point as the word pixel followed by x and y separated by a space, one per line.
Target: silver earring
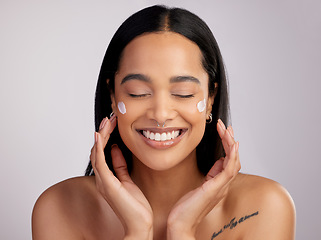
pixel 210 119
pixel 112 113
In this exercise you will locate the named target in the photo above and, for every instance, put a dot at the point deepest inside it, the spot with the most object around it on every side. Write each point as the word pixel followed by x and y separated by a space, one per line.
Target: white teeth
pixel 161 136
pixel 152 136
pixel 157 137
pixel 176 133
pixel 169 135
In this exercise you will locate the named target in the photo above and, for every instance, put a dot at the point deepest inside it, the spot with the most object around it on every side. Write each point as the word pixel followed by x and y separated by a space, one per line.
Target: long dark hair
pixel 158 19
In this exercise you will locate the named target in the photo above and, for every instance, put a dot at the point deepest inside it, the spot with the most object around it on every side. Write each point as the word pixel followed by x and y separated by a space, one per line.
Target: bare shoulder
pixel 65 194
pixel 58 207
pixel 259 190
pixel 68 209
pixel 269 202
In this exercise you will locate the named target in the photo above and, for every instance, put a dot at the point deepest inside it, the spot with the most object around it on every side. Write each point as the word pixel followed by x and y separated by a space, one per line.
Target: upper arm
pixel 276 215
pixel 52 218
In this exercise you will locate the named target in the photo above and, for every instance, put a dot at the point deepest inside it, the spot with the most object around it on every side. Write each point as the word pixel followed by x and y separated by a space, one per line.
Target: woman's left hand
pixel 190 210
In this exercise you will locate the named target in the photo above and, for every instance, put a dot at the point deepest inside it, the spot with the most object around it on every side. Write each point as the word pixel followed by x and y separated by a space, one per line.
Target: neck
pixel 164 188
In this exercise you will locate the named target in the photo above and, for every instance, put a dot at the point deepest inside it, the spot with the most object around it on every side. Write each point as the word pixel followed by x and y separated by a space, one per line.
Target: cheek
pixel 121 107
pixel 201 105
pixel 194 112
pixel 196 107
pixel 127 113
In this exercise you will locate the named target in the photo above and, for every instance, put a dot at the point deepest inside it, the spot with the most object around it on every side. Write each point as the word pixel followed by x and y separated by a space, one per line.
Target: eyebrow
pixel 145 78
pixel 140 77
pixel 184 79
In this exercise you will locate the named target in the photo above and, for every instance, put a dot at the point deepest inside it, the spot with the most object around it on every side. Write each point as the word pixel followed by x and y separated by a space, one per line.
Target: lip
pixel 162 144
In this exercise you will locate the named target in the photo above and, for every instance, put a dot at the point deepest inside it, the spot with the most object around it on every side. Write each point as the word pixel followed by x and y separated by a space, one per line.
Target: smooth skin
pixel 165 196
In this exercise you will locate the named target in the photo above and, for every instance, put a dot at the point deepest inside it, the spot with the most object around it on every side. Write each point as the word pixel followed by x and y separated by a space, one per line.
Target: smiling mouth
pixel 161 136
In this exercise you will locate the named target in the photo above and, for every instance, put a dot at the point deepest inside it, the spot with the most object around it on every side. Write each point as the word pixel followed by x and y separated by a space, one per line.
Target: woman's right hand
pixel 121 193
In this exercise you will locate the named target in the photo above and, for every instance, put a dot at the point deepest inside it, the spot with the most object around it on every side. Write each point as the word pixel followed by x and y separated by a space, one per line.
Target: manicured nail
pixel 114 145
pixel 101 124
pixel 237 146
pixel 221 123
pixel 96 137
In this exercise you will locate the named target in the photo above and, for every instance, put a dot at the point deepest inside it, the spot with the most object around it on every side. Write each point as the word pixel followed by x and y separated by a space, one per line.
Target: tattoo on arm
pixel 232 224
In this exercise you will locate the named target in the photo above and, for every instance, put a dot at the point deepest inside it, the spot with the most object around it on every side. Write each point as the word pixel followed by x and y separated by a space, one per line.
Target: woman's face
pixel 161 80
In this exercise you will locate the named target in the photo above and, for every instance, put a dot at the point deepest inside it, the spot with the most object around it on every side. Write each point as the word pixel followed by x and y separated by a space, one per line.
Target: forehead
pixel 160 52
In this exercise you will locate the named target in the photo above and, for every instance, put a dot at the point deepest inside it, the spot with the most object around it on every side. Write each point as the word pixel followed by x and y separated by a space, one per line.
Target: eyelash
pixel 184 96
pixel 176 95
pixel 138 95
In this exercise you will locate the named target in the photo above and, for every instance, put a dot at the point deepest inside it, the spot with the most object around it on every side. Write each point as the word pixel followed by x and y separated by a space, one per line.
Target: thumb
pixel 119 164
pixel 216 169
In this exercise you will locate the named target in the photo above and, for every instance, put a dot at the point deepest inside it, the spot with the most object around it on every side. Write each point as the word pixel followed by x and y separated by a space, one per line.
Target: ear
pixel 210 101
pixel 209 105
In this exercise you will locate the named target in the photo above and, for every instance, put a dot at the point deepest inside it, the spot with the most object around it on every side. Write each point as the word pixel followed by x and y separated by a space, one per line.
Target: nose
pixel 162 109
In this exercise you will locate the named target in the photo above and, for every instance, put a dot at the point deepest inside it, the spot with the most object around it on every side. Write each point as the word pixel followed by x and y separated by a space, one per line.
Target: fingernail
pixel 221 123
pixel 114 145
pixel 237 146
pixel 101 124
pixel 96 137
pixel 104 122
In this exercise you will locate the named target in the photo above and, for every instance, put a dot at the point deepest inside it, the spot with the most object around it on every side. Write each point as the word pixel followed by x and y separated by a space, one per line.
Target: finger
pixel 231 162
pixel 216 169
pixel 119 164
pixel 225 175
pixel 93 164
pixel 103 122
pixel 229 136
pixel 225 133
pixel 238 163
pixel 226 136
pixel 93 157
pixel 93 154
pixel 106 128
pixel 230 157
pixel 101 168
pixel 231 131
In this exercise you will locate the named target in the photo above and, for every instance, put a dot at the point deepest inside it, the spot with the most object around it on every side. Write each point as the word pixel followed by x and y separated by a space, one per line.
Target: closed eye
pixel 139 95
pixel 183 96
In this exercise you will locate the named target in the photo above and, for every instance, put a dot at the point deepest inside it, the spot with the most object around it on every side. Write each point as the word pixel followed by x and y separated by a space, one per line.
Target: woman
pixel 172 167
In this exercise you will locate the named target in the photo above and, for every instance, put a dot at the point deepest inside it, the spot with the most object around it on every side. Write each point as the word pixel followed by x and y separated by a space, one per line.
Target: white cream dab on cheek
pixel 121 107
pixel 201 105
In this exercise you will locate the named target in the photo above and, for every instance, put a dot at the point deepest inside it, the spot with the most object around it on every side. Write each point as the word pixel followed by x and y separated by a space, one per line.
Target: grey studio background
pixel 50 55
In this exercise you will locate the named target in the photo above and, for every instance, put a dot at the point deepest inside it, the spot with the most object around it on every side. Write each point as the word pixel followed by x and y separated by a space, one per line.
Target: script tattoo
pixel 232 224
